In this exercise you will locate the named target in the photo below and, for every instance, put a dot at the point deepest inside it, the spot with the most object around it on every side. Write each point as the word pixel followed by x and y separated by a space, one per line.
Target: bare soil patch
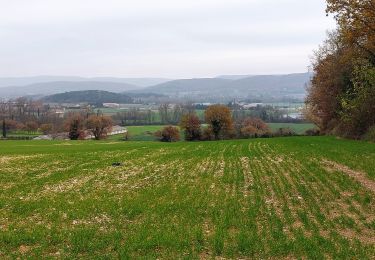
pixel 359 176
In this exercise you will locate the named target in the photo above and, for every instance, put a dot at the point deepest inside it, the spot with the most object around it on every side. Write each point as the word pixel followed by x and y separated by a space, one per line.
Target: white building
pixel 111 105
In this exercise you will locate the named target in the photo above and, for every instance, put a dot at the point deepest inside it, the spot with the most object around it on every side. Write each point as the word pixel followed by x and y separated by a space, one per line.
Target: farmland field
pixel 299 128
pixel 297 197
pixel 145 132
pixel 139 133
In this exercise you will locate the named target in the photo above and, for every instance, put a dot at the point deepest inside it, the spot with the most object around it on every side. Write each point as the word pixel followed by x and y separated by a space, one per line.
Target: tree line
pixel 218 122
pixel 31 116
pixel 220 125
pixel 172 114
pixel 28 115
pixel 97 126
pixel 341 98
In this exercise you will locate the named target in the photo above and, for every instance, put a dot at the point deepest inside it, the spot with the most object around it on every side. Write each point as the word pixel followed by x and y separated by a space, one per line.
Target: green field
pixel 295 197
pixel 142 130
pixel 299 128
pixel 139 133
pixel 144 133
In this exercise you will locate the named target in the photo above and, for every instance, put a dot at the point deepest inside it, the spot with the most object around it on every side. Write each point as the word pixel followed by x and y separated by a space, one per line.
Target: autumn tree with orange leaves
pixel 253 127
pixel 168 134
pixel 341 98
pixel 219 119
pixel 191 126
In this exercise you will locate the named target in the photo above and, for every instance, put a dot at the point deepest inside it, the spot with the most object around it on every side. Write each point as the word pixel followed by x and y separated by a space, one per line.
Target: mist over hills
pixel 273 84
pixel 139 82
pixel 200 89
pixel 181 86
pixel 23 81
pixel 48 88
pixel 270 86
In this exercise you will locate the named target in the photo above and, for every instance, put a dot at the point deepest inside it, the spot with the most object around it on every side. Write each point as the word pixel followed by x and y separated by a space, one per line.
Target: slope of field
pixel 299 197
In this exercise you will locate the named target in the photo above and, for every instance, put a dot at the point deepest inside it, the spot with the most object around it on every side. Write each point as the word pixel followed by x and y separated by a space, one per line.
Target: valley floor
pixel 298 197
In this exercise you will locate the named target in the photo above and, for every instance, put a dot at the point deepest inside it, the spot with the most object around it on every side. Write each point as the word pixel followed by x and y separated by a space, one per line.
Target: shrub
pixel 253 127
pixel 99 126
pixel 10 124
pixel 370 135
pixel 74 127
pixel 31 126
pixel 207 134
pixel 46 128
pixel 168 134
pixel 286 131
pixel 248 131
pixel 191 125
pixel 312 132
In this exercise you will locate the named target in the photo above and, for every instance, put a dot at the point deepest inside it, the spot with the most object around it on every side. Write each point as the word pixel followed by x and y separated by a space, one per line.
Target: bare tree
pixel 163 111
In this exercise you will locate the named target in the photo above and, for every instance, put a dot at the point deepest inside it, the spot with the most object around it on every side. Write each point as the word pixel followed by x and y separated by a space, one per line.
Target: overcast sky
pixel 159 38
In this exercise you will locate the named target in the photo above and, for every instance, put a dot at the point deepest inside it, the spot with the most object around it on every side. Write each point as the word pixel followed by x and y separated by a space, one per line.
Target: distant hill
pixel 266 86
pixel 139 82
pixel 23 81
pixel 273 84
pixel 144 95
pixel 222 88
pixel 49 88
pixel 88 96
pixel 181 86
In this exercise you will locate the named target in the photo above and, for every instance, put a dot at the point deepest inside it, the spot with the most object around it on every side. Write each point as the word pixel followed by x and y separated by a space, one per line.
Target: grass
pixel 299 128
pixel 141 130
pixel 261 198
